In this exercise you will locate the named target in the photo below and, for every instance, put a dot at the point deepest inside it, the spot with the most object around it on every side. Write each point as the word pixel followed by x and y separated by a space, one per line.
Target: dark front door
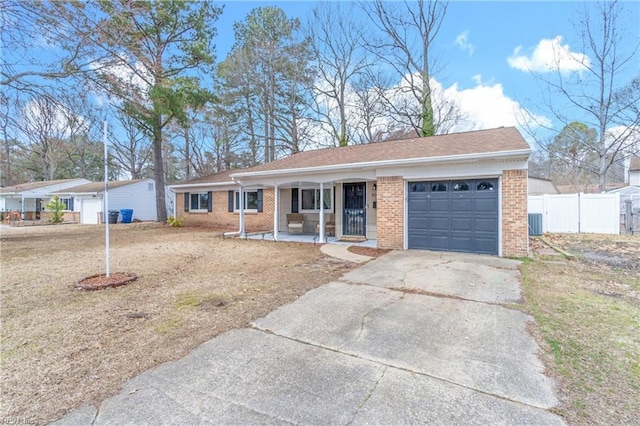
pixel 38 208
pixel 353 216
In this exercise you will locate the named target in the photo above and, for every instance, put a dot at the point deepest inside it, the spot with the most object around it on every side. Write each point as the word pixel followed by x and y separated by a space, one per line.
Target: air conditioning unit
pixel 535 224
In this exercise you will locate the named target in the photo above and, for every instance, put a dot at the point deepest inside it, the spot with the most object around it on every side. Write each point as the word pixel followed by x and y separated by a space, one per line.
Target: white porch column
pixel 321 223
pixel 276 212
pixel 22 207
pixel 241 201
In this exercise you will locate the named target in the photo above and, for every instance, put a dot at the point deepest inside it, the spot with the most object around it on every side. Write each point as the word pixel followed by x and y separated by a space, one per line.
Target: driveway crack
pixel 368 397
pixel 95 416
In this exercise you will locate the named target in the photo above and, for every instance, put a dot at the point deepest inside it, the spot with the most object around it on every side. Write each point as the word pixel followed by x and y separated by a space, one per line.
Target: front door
pixel 38 208
pixel 353 216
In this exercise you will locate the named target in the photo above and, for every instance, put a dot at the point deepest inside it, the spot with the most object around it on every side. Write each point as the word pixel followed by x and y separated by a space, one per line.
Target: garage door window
pixel 418 187
pixel 438 187
pixel 484 186
pixel 460 186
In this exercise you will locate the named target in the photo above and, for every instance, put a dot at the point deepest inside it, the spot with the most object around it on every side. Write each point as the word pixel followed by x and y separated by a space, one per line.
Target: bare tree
pixel 131 149
pixel 410 29
pixel 598 94
pixel 337 42
pixel 42 122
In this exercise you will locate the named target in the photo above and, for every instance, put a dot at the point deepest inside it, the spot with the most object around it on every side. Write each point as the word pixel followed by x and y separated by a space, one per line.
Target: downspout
pixel 241 224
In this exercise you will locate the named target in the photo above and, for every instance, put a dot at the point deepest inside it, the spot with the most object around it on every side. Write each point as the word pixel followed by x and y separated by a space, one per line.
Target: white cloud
pixel 549 55
pixel 486 106
pixel 483 106
pixel 462 40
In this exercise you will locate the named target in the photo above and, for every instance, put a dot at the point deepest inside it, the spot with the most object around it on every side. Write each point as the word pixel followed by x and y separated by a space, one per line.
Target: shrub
pixel 56 207
pixel 175 221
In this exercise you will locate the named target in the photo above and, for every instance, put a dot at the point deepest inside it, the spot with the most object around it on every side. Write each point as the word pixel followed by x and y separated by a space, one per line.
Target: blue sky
pixel 475 42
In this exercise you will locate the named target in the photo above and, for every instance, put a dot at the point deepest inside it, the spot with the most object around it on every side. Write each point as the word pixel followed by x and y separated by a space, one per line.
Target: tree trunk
pixel 158 170
pixel 427 108
pixel 187 154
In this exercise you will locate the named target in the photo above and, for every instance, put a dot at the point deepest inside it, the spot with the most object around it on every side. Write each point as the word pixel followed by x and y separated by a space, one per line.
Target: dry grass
pixel 61 347
pixel 588 312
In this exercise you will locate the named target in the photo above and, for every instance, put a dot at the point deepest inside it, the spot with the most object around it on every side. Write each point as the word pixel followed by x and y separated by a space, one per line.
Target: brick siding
pixel 515 235
pixel 390 212
pixel 220 217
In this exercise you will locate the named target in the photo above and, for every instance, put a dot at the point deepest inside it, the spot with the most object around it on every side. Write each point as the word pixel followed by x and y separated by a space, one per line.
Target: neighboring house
pixel 139 195
pixel 634 171
pixel 31 197
pixel 460 192
pixel 541 186
pixel 213 200
pixel 588 189
pixel 630 192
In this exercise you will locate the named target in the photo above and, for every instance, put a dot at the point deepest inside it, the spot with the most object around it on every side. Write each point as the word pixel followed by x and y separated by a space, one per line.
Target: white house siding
pixel 371 229
pixel 139 196
pixel 285 208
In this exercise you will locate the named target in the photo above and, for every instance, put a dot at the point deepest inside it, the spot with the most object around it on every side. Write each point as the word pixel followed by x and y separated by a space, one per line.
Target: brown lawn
pixel 587 312
pixel 62 347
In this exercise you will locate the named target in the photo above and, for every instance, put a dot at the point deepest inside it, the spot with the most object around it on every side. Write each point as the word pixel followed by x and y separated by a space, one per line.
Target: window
pixel 418 187
pixel 68 203
pixel 484 186
pixel 460 186
pixel 311 199
pixel 438 187
pixel 250 201
pixel 199 201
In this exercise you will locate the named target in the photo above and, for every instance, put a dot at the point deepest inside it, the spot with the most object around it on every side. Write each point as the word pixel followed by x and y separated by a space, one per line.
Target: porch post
pixel 22 208
pixel 276 212
pixel 321 224
pixel 241 201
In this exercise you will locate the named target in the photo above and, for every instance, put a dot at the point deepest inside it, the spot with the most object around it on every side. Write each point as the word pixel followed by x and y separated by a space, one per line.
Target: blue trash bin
pixel 127 214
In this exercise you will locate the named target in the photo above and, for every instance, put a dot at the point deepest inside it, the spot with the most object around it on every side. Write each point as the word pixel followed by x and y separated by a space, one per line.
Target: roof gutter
pixel 386 163
pixel 202 185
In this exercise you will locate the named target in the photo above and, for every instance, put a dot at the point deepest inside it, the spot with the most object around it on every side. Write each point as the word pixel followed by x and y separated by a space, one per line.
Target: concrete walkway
pixel 410 337
pixel 342 252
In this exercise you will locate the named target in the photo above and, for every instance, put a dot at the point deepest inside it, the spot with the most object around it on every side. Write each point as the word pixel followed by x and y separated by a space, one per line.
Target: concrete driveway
pixel 411 337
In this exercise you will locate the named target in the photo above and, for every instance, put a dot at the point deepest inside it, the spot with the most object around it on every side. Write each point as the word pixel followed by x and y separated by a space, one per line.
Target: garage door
pixel 454 215
pixel 89 211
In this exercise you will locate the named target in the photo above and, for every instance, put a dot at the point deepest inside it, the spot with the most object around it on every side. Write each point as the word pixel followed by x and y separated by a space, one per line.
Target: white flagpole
pixel 105 214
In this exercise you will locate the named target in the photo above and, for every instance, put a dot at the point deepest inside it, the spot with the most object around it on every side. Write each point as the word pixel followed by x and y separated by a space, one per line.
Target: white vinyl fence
pixel 578 213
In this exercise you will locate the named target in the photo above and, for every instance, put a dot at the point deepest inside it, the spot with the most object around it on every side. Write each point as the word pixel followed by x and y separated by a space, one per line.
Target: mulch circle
pixel 101 281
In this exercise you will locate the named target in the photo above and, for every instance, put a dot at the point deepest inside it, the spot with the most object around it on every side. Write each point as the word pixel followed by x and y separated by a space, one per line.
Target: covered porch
pixel 323 209
pixel 307 238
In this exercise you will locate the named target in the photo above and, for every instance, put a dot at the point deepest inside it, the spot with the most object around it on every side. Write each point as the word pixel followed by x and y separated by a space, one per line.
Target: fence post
pixel 628 217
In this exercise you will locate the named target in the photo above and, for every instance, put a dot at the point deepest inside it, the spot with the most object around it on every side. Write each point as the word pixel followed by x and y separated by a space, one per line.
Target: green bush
pixel 56 207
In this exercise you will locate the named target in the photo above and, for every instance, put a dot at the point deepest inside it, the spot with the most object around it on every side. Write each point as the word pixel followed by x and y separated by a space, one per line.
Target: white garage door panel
pixel 90 209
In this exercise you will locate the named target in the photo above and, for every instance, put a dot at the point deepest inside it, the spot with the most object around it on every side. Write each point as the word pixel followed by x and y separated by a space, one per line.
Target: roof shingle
pixel 29 186
pixel 97 186
pixel 502 139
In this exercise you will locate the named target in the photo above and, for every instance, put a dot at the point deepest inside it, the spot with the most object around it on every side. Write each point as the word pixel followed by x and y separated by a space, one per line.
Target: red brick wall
pixel 67 216
pixel 515 235
pixel 390 212
pixel 220 217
